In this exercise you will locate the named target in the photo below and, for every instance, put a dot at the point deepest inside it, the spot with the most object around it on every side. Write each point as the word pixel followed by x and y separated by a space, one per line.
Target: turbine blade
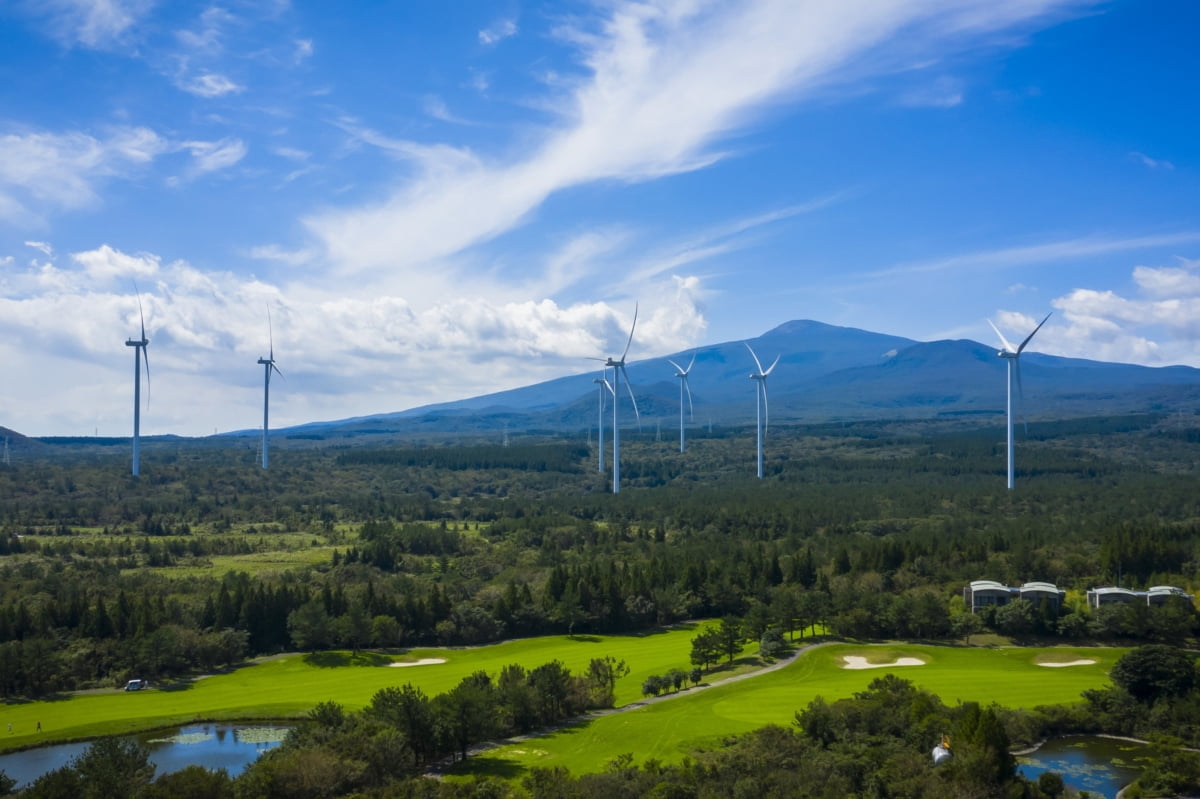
pixel 608 385
pixel 271 337
pixel 691 364
pixel 766 409
pixel 757 362
pixel 1034 333
pixel 141 316
pixel 678 368
pixel 275 369
pixel 773 365
pixel 1007 347
pixel 1021 393
pixel 688 389
pixel 146 363
pixel 632 327
pixel 633 399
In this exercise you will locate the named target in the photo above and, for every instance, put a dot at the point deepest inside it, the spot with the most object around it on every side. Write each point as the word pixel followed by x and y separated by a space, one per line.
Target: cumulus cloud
pixel 105 263
pixel 1159 326
pixel 345 354
pixel 658 88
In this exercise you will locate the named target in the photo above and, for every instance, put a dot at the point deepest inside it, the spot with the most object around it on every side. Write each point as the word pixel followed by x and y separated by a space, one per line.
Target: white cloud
pixel 105 263
pixel 1048 252
pixel 355 353
pixel 210 85
pixel 943 92
pixel 211 156
pixel 42 246
pixel 498 31
pixel 291 153
pixel 63 169
pixel 273 252
pixel 1161 327
pixel 660 87
pixel 303 50
pixel 97 24
pixel 1152 163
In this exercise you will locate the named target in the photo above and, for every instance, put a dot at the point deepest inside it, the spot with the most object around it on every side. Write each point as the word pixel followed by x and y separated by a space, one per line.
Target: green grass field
pixel 290 686
pixel 697 720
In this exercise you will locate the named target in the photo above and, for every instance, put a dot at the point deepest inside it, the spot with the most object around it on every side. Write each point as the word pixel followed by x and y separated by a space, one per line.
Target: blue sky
pixel 436 200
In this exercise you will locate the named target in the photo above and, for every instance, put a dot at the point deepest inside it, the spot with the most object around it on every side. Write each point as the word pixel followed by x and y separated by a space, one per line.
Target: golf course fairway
pixel 1014 677
pixel 289 686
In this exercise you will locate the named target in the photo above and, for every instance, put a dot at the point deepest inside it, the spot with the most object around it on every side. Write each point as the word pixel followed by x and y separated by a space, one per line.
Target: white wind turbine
pixel 603 385
pixel 1013 354
pixel 268 365
pixel 682 374
pixel 139 352
pixel 618 367
pixel 761 413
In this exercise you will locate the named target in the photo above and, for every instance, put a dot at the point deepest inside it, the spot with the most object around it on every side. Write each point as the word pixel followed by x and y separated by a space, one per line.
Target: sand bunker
pixel 857 662
pixel 1067 663
pixel 421 662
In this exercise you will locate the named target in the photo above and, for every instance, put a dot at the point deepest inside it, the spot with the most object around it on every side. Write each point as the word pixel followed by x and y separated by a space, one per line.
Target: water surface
pixel 1101 766
pixel 232 747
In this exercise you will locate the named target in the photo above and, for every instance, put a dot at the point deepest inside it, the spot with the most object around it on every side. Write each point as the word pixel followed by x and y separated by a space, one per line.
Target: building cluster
pixel 989 593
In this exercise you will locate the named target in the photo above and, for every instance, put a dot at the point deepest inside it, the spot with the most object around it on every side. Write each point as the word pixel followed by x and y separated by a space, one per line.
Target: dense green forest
pixel 871 529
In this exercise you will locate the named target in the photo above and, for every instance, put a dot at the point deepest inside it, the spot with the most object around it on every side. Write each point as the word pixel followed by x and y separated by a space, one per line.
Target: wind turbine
pixel 268 365
pixel 139 351
pixel 618 367
pixel 1013 354
pixel 761 413
pixel 682 374
pixel 604 385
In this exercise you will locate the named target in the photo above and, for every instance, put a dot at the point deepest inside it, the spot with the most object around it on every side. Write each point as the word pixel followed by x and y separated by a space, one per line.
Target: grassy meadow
pixel 668 731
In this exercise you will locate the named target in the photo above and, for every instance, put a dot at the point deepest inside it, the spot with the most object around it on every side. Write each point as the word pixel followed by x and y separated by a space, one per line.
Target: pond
pixel 1101 766
pixel 232 747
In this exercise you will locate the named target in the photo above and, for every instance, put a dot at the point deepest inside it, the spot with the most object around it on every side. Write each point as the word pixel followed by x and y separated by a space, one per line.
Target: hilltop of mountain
pixel 825 372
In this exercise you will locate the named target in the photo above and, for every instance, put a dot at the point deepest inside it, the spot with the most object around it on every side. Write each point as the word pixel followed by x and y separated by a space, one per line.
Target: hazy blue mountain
pixel 825 372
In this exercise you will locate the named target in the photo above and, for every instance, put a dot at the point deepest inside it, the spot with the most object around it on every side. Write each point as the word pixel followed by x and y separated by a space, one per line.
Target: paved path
pixel 439 768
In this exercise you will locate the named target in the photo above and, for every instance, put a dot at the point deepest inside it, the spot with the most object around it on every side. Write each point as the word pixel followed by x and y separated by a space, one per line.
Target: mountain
pixel 825 372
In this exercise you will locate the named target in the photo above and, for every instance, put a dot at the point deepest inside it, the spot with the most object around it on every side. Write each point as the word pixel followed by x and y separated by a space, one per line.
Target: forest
pixel 868 529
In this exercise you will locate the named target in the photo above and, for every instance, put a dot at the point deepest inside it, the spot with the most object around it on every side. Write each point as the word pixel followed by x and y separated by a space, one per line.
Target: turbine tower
pixel 604 385
pixel 268 365
pixel 139 352
pixel 1013 354
pixel 761 414
pixel 682 374
pixel 618 367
